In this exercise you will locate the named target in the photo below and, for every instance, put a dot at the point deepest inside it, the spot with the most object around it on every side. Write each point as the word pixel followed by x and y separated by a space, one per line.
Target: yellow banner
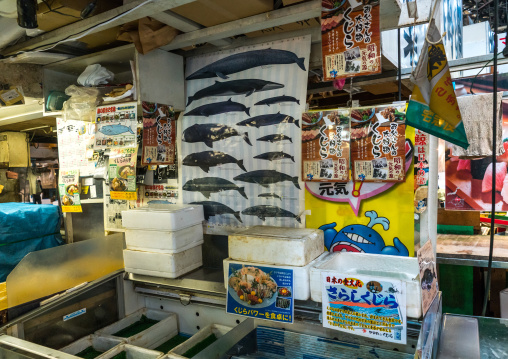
pixel 72 209
pixel 129 196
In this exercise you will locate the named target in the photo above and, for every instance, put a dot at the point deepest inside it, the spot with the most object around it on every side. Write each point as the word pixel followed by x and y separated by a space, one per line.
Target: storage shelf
pixel 92 200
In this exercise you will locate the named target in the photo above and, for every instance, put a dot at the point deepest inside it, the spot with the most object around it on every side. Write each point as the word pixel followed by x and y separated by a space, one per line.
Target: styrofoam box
pixel 163 264
pixel 178 351
pixel 101 344
pixel 155 335
pixel 170 217
pixel 164 241
pixel 301 275
pixel 132 352
pixel 405 269
pixel 276 245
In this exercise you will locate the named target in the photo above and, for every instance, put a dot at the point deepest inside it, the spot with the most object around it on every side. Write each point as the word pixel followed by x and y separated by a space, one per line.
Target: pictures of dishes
pixel 116 126
pixel 122 173
pixel 253 286
pixel 243 111
pixel 68 188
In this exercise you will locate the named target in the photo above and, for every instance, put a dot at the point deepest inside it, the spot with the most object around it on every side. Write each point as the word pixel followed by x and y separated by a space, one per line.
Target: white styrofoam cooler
pixel 170 217
pixel 164 241
pixel 216 329
pixel 101 344
pixel 276 245
pixel 405 269
pixel 132 352
pixel 301 275
pixel 155 335
pixel 163 264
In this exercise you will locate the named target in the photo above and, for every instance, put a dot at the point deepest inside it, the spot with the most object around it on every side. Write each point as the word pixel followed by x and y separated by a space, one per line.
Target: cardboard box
pixel 13 149
pixel 210 13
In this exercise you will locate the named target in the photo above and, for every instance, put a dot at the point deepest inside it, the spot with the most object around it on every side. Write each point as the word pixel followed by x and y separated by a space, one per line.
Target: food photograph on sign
pixel 351 40
pixel 377 143
pixel 325 146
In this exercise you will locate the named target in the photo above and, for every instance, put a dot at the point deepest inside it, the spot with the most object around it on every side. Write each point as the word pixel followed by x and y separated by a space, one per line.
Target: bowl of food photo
pixel 362 115
pixel 126 171
pixel 251 287
pixel 71 189
pixel 118 184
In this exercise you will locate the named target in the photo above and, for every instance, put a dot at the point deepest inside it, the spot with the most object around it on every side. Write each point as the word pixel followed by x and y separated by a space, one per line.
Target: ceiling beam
pixel 106 20
pixel 185 25
pixel 269 19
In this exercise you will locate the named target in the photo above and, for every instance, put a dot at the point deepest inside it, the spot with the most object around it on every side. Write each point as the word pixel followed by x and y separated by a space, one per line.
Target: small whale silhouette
pixel 112 130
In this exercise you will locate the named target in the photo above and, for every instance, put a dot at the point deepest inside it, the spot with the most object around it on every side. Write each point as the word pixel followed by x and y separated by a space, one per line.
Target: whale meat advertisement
pixel 116 126
pixel 159 134
pixel 241 135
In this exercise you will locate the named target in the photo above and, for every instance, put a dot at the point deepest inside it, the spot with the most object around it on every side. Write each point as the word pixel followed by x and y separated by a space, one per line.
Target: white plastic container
pixel 163 264
pixel 379 265
pixel 155 335
pixel 216 329
pixel 164 241
pixel 101 344
pixel 301 275
pixel 170 217
pixel 132 352
pixel 276 245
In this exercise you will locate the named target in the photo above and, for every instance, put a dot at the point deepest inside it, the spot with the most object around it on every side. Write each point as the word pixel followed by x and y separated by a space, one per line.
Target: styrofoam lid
pixel 277 232
pixel 169 208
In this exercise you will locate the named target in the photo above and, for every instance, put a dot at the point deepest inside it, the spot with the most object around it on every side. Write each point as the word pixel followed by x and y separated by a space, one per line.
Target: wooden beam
pixel 108 19
pixel 185 25
pixel 249 24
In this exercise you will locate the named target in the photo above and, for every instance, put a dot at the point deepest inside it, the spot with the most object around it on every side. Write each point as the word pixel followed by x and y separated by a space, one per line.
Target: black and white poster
pixel 240 140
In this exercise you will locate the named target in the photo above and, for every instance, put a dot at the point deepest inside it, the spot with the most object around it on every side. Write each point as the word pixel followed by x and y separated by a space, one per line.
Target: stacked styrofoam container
pixel 163 240
pixel 289 248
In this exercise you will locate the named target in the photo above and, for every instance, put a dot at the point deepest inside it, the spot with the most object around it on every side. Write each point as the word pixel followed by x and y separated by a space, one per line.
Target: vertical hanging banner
pixel 366 306
pixel 159 134
pixel 122 173
pixel 421 171
pixel 325 146
pixel 116 126
pixel 68 187
pixel 240 139
pixel 428 275
pixel 351 39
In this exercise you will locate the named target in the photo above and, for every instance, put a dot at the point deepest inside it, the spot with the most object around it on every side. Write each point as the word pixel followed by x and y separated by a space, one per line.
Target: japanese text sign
pixel 350 36
pixel 116 126
pixel 159 134
pixel 68 188
pixel 122 173
pixel 261 292
pixel 366 306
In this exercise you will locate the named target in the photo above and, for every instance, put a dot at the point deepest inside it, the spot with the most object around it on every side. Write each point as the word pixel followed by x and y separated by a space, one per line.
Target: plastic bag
pixel 81 106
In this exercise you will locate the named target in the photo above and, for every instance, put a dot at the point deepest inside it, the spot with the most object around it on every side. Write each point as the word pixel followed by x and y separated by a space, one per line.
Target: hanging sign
pixel 159 134
pixel 116 126
pixel 366 306
pixel 351 39
pixel 122 173
pixel 68 187
pixel 325 146
pixel 261 292
pixel 377 143
pixel 428 275
pixel 421 170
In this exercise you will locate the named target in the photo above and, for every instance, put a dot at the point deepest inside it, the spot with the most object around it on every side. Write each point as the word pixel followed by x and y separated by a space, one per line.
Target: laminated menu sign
pixel 378 143
pixel 325 146
pixel 159 134
pixel 351 39
pixel 68 188
pixel 116 126
pixel 261 292
pixel 122 173
pixel 364 305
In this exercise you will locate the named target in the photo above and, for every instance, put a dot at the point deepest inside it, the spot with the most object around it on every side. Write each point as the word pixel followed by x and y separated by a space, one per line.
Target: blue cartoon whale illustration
pixel 363 239
pixel 112 130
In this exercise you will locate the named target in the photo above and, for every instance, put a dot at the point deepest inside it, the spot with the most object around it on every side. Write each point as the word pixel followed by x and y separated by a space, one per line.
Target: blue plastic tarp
pixel 26 228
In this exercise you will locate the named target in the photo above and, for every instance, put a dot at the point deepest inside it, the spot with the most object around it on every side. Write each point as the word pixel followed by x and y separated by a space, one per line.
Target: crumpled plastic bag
pixel 147 34
pixel 81 106
pixel 95 75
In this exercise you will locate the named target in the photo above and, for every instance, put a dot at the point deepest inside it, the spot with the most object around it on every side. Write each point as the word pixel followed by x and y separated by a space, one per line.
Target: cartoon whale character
pixel 112 130
pixel 362 239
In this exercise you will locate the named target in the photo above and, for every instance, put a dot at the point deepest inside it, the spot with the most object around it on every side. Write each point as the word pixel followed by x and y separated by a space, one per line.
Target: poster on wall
pixel 421 170
pixel 366 306
pixel 269 295
pixel 122 173
pixel 359 216
pixel 325 146
pixel 428 275
pixel 116 126
pixel 351 39
pixel 377 143
pixel 240 138
pixel 68 188
pixel 159 134
pixel 75 146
